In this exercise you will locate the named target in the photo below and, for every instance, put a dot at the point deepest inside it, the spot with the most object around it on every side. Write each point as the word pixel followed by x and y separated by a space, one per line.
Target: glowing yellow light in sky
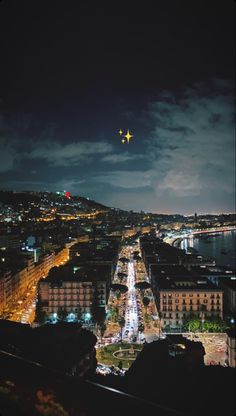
pixel 125 138
pixel 128 136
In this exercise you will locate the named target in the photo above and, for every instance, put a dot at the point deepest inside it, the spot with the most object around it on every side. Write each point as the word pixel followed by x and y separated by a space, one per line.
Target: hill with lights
pixel 24 198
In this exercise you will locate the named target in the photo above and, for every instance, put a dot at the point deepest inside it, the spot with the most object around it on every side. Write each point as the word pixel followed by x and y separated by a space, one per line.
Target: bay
pixel 221 247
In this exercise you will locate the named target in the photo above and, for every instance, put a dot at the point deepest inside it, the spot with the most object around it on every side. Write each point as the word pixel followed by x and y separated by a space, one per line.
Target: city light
pixel 67 194
pixel 71 317
pixel 87 316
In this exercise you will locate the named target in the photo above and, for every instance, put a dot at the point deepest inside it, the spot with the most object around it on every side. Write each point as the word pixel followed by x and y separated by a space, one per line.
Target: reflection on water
pixel 220 246
pixel 187 243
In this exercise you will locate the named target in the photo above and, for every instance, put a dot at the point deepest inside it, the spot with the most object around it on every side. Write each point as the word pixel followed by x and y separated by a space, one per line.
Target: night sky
pixel 74 72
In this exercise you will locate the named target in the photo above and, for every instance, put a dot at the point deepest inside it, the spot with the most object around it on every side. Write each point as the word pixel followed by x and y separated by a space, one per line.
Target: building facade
pixel 69 289
pixel 175 305
pixel 180 294
pixel 13 284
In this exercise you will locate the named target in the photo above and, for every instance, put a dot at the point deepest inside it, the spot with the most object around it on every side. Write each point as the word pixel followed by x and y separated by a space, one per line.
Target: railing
pixel 28 388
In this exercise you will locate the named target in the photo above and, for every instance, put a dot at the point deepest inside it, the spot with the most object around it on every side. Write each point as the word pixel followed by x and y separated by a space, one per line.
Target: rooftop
pixel 71 273
pixel 179 278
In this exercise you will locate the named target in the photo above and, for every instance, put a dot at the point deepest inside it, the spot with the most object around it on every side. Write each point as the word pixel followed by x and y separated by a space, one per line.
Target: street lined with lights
pixel 131 316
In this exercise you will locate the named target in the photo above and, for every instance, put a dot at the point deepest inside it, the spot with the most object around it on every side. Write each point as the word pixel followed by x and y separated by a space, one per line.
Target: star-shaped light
pixel 123 140
pixel 128 136
pixel 120 132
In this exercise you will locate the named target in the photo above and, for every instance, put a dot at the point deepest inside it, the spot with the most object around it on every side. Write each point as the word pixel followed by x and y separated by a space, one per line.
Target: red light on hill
pixel 67 195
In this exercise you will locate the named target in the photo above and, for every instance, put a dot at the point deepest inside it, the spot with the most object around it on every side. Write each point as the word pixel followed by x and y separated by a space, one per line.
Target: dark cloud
pixel 185 161
pixel 194 153
pixel 57 154
pixel 122 157
pixel 191 153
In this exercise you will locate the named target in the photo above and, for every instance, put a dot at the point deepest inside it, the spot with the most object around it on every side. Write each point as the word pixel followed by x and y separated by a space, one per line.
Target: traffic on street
pixel 130 329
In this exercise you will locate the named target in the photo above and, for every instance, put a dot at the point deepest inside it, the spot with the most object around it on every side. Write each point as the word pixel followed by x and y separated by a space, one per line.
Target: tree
pixel 100 315
pixel 113 313
pixel 79 314
pixel 121 276
pixel 147 318
pixel 142 285
pixel 140 329
pixel 95 305
pixel 159 324
pixel 120 365
pixel 98 312
pixel 146 302
pixel 118 294
pixel 102 328
pixel 124 260
pixel 137 257
pixel 122 324
pixel 120 287
pixel 41 316
pixel 214 325
pixel 192 324
pixel 62 314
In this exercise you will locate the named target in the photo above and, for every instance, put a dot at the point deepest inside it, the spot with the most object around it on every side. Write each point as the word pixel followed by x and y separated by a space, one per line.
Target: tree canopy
pixel 98 312
pixel 213 324
pixel 142 285
pixel 121 274
pixel 141 327
pixel 146 301
pixel 120 287
pixel 62 314
pixel 41 316
pixel 124 260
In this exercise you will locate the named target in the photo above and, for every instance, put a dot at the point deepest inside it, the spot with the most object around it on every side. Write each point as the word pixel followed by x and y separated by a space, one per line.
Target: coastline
pixel 177 241
pixel 210 246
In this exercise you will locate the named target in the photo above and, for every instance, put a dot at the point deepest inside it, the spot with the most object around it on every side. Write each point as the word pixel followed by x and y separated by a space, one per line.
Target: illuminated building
pixel 14 283
pixel 180 294
pixel 223 277
pixel 5 289
pixel 72 289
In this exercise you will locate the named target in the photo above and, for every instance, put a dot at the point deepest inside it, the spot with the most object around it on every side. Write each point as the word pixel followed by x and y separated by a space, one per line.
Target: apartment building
pixel 225 278
pixel 5 289
pixel 26 273
pixel 98 251
pixel 72 288
pixel 179 294
pixel 155 251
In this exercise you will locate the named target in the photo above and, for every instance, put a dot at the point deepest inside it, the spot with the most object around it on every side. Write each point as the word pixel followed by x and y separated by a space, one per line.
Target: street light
pixel 87 317
pixel 71 317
